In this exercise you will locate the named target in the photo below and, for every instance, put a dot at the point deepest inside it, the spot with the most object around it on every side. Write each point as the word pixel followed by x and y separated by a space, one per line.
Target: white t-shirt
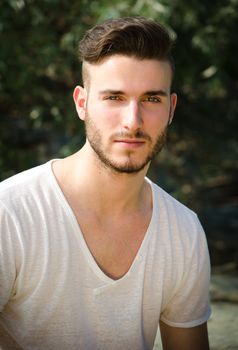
pixel 53 295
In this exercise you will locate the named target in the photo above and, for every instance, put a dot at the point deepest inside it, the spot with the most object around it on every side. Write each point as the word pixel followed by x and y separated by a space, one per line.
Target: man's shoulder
pixel 175 215
pixel 181 222
pixel 169 202
pixel 23 182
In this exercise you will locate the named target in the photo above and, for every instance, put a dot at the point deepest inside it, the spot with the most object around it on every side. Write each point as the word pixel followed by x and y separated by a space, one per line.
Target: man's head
pixel 136 37
pixel 126 102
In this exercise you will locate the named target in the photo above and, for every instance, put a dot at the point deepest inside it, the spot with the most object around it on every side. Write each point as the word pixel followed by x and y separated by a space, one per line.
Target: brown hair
pixel 131 36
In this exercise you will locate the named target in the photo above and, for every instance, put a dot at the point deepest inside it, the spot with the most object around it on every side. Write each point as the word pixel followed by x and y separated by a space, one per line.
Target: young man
pixel 93 254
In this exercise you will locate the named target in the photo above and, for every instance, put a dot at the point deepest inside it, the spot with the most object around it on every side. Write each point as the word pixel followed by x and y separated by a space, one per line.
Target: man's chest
pixel 115 244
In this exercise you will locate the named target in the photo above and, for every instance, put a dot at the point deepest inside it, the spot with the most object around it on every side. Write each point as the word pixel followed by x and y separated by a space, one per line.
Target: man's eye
pixel 152 99
pixel 113 98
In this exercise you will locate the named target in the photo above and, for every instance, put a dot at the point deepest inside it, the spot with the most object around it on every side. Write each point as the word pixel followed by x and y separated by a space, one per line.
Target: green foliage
pixel 39 69
pixel 207 77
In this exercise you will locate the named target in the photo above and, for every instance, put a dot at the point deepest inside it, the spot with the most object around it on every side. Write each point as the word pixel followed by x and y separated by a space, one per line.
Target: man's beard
pixel 94 137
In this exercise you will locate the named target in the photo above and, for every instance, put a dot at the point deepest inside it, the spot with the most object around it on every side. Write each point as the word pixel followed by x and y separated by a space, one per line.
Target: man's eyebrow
pixel 156 92
pixel 111 92
pixel 147 93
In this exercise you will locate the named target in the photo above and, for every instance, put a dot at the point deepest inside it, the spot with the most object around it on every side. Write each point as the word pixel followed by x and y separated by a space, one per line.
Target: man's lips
pixel 130 142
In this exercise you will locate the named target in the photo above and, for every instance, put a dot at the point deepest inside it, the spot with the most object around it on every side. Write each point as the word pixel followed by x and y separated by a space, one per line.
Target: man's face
pixel 128 109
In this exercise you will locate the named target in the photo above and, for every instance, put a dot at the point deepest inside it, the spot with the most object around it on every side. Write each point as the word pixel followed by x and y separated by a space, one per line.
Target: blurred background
pixel 39 69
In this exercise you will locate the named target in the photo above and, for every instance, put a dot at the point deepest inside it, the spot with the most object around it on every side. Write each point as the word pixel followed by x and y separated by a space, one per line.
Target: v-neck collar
pixel 85 249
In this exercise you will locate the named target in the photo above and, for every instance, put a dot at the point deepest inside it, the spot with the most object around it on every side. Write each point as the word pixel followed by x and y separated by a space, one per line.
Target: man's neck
pixel 99 188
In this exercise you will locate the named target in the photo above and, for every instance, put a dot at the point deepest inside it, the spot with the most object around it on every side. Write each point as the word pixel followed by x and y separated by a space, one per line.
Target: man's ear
pixel 173 103
pixel 80 100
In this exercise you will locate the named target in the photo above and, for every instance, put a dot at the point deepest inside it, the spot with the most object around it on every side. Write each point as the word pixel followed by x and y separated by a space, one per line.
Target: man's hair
pixel 137 37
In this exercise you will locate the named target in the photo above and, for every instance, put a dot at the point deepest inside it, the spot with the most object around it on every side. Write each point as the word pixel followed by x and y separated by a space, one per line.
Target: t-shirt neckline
pixel 77 230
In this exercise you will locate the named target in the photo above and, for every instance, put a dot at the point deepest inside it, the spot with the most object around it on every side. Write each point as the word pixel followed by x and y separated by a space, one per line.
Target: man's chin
pixel 128 168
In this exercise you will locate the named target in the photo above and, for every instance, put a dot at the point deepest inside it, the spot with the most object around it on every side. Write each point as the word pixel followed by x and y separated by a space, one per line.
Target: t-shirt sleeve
pixel 7 256
pixel 189 306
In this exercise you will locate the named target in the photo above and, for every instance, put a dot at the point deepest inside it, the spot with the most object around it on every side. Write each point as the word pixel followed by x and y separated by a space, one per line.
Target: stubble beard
pixel 95 140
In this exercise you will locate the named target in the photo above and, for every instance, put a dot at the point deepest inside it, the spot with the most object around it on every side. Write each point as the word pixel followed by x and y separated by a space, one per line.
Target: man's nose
pixel 132 116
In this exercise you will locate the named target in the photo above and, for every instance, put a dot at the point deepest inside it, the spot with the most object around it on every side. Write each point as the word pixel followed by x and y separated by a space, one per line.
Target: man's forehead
pixel 150 73
pixel 118 58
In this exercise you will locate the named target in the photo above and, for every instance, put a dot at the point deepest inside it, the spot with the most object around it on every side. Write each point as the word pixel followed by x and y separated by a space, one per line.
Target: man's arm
pixel 195 338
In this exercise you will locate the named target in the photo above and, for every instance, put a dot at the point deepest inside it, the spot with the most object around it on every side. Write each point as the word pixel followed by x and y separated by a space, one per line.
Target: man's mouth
pixel 130 142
